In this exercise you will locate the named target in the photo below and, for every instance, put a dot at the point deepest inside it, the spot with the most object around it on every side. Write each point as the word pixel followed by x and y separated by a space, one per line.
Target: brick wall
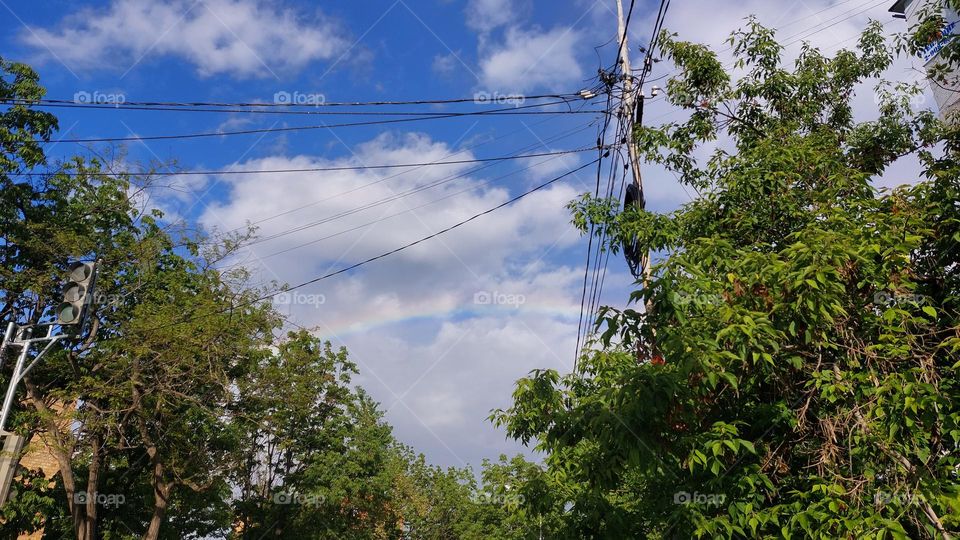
pixel 37 454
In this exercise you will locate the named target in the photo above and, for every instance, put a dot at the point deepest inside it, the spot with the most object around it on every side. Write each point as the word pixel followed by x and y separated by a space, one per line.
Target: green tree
pixel 807 322
pixel 135 405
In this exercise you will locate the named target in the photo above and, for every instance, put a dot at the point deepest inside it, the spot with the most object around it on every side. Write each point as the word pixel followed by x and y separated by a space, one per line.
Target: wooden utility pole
pixel 630 113
pixel 629 105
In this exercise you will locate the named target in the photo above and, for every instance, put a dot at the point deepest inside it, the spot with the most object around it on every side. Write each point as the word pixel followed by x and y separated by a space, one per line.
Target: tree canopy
pixel 182 409
pixel 791 370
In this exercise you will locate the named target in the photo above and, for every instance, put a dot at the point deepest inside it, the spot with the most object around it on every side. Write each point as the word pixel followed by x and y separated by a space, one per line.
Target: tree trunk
pixel 93 486
pixel 161 497
pixel 61 451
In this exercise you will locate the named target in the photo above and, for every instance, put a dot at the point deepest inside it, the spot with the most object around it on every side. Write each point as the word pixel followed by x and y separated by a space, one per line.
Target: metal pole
pixel 12 387
pixel 6 339
pixel 9 459
pixel 12 443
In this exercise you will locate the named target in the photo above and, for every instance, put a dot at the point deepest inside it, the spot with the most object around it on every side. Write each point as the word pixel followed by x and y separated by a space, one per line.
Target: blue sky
pixel 436 358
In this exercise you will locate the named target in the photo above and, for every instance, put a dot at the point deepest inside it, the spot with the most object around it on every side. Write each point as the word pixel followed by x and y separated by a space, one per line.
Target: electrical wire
pixel 601 136
pixel 626 25
pixel 367 206
pixel 654 39
pixel 860 12
pixel 730 64
pixel 602 255
pixel 418 207
pixel 328 275
pixel 817 28
pixel 614 167
pixel 475 99
pixel 526 148
pixel 122 107
pixel 181 136
pixel 228 172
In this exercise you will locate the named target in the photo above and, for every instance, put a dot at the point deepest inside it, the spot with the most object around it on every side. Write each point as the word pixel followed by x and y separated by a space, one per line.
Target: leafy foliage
pixel 795 371
pixel 180 411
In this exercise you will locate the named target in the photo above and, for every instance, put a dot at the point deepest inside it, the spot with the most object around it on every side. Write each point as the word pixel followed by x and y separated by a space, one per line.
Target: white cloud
pixel 471 250
pixel 468 368
pixel 444 64
pixel 486 15
pixel 244 38
pixel 532 59
pixel 411 321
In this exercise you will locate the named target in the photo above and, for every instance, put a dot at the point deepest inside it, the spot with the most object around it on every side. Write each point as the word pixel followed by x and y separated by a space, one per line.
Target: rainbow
pixel 371 318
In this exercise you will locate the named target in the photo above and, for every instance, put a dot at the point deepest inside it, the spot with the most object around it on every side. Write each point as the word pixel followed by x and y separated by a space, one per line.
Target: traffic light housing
pixel 77 293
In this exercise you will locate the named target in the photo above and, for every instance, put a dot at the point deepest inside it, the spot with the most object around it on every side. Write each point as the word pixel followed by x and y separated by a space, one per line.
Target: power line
pixel 352 211
pixel 625 26
pixel 614 168
pixel 479 99
pixel 861 11
pixel 492 112
pixel 418 207
pixel 602 256
pixel 452 177
pixel 369 260
pixel 828 8
pixel 582 330
pixel 121 107
pixel 654 37
pixel 816 31
pixel 225 172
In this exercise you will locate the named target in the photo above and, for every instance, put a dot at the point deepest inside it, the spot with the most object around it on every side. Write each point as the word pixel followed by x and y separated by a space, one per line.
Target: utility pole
pixel 628 116
pixel 631 113
pixel 12 443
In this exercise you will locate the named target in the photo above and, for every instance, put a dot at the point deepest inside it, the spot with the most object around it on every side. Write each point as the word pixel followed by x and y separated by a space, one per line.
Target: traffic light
pixel 77 293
